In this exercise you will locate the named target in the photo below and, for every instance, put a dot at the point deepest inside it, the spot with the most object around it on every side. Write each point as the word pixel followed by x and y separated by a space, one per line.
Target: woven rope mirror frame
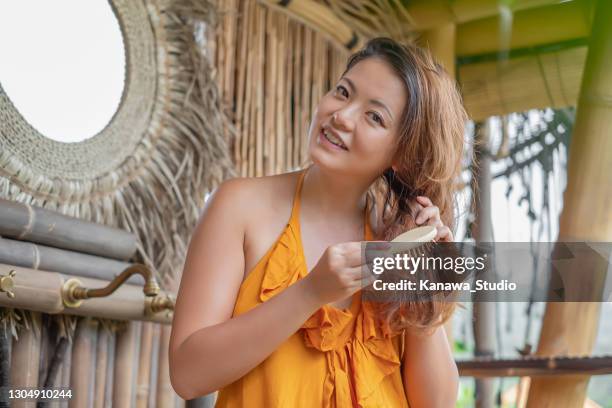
pixel 150 168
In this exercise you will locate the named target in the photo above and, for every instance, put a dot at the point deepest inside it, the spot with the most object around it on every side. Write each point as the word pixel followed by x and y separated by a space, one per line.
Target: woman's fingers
pixel 444 234
pixel 424 201
pixel 352 254
pixel 431 215
pixel 361 277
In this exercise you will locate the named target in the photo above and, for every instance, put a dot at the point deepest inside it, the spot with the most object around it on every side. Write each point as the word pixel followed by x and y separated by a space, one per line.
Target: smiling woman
pixel 269 308
pixel 52 66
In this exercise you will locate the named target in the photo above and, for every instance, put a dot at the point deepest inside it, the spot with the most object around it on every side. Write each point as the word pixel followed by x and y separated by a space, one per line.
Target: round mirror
pixel 62 64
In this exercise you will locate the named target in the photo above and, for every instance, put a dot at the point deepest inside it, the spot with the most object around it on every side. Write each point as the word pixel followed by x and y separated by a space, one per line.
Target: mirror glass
pixel 62 64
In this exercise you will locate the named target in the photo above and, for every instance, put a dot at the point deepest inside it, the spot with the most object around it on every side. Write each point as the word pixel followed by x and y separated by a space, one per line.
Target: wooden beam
pixel 550 79
pixel 441 43
pixel 428 14
pixel 543 25
pixel 535 366
pixel 320 18
pixel 570 328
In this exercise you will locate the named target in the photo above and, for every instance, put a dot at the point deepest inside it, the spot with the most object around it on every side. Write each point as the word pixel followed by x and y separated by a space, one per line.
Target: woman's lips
pixel 326 142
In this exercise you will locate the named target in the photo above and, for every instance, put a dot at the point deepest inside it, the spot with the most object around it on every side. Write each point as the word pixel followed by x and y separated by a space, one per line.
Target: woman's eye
pixel 342 91
pixel 377 118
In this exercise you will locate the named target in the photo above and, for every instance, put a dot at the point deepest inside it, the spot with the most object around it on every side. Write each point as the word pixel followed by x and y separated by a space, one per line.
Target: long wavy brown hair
pixel 427 161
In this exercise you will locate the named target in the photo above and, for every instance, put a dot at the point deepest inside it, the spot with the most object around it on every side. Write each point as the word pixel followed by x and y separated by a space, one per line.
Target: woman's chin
pixel 327 162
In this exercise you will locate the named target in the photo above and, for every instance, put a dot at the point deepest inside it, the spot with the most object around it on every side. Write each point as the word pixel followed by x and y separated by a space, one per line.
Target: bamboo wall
pixel 271 71
pixel 105 363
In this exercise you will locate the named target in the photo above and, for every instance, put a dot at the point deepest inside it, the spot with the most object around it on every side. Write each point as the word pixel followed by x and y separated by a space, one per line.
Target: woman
pixel 269 310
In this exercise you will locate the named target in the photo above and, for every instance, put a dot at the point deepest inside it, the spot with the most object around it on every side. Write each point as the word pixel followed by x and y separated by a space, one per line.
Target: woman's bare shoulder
pixel 257 197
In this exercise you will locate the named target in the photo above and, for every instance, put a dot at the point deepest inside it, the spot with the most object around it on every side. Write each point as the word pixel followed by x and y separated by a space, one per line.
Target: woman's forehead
pixel 374 78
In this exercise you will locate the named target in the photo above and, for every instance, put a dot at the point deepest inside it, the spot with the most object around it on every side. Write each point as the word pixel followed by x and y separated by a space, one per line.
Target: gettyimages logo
pixel 490 272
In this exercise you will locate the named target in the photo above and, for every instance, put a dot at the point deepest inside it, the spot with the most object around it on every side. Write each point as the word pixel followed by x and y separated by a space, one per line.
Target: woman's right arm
pixel 208 348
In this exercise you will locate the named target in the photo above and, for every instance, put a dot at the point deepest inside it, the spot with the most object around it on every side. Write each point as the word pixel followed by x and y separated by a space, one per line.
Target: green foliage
pixel 466 395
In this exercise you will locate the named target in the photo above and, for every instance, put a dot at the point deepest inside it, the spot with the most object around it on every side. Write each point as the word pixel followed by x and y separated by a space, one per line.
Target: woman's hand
pixel 339 273
pixel 426 213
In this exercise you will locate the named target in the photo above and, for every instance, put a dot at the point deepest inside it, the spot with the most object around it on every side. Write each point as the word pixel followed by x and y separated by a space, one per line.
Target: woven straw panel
pixel 519 84
pixel 149 170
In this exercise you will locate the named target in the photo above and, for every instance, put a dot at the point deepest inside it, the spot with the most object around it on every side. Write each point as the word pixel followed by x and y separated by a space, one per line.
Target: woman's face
pixel 355 127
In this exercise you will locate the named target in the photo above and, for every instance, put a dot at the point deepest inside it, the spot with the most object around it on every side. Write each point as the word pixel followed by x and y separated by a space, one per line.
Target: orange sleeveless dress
pixel 338 358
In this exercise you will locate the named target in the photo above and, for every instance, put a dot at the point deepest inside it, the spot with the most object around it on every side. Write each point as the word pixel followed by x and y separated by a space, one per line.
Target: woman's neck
pixel 333 196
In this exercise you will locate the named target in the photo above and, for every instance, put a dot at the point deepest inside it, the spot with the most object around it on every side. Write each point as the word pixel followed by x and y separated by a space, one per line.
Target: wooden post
pixel 482 231
pixel 441 43
pixel 570 328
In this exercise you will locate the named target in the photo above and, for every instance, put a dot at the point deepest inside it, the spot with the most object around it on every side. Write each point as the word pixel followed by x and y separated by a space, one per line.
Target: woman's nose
pixel 342 120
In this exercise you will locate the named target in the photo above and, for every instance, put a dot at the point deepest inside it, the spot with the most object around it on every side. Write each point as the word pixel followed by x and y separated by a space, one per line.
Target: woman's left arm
pixel 429 370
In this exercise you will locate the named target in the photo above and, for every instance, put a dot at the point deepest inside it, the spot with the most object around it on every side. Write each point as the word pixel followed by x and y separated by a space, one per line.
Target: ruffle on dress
pixel 359 351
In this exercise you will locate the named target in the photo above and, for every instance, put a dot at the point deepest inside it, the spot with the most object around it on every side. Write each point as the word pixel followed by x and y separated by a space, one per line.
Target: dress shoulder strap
pixel 295 209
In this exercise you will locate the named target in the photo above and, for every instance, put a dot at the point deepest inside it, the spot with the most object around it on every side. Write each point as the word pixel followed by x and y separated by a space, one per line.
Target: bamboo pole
pixel 319 17
pixel 125 357
pixel 154 366
pixel 271 76
pixel 288 109
pixel 241 87
pixel 144 370
pixel 482 231
pixel 165 392
pixel 281 90
pixel 52 376
pixel 101 366
pixel 110 370
pixel 250 128
pixel 41 291
pixel 441 44
pixel 66 370
pixel 25 222
pixel 46 348
pixel 297 93
pixel 83 359
pixel 36 256
pixel 229 39
pixel 306 94
pixel 5 359
pixel 25 359
pixel 531 366
pixel 260 52
pixel 570 328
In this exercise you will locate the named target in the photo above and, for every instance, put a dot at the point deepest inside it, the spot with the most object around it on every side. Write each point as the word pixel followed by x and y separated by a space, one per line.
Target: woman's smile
pixel 328 139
